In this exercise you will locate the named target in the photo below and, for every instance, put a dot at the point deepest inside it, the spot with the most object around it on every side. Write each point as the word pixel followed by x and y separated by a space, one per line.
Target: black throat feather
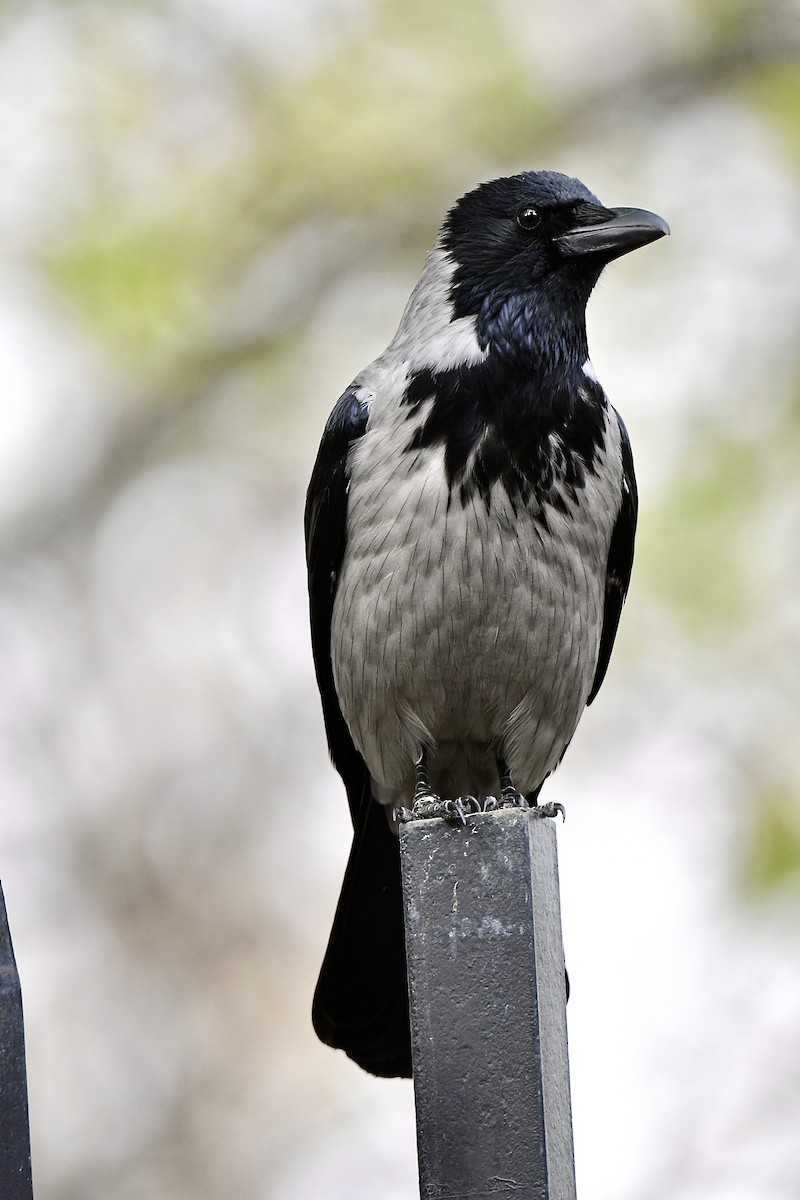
pixel 525 417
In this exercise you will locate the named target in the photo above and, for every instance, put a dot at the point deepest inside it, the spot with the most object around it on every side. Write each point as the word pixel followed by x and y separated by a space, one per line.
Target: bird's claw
pixel 427 807
pixel 550 810
pixel 456 810
pixel 511 798
pixel 463 807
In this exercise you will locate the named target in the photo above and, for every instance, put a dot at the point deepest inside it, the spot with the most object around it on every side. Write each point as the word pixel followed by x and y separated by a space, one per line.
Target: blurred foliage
pixel 135 287
pixel 694 562
pixel 772 861
pixel 775 90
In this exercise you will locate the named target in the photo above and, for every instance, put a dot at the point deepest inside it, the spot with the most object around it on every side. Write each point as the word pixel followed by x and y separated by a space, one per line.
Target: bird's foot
pixel 549 810
pixel 510 798
pixel 430 805
pixel 424 807
pixel 425 804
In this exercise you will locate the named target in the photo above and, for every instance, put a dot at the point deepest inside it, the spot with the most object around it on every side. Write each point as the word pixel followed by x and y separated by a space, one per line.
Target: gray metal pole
pixel 15 1143
pixel 488 1007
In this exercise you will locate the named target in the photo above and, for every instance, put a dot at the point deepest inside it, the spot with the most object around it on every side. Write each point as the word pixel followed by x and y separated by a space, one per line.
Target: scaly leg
pixel 427 803
pixel 510 797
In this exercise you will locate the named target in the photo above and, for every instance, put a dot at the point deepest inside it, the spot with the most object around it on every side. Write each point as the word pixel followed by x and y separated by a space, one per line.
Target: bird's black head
pixel 528 249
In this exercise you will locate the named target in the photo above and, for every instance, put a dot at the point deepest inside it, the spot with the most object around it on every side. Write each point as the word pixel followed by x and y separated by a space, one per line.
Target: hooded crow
pixel 469 531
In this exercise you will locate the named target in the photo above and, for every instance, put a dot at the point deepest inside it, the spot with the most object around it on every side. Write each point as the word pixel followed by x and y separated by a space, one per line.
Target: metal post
pixel 15 1143
pixel 488 1007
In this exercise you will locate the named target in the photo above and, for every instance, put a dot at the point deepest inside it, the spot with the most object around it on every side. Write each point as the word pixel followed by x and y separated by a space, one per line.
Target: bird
pixel 469 529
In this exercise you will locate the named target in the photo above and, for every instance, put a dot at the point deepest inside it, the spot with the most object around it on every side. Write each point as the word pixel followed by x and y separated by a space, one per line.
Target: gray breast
pixel 465 627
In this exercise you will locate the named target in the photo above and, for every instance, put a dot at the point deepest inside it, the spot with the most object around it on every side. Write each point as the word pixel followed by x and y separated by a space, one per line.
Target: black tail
pixel 361 1001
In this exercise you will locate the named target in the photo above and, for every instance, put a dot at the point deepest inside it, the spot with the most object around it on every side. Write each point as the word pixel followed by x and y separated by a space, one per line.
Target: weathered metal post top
pixel 488 1007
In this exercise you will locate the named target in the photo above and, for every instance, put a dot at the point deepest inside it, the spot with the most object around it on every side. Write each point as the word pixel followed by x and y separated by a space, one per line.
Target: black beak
pixel 616 232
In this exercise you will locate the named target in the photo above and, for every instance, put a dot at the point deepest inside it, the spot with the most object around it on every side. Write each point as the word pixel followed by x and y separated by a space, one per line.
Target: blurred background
pixel 211 215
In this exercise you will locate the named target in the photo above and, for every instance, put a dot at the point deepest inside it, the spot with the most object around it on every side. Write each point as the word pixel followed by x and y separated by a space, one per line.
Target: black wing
pixel 360 1003
pixel 620 560
pixel 326 536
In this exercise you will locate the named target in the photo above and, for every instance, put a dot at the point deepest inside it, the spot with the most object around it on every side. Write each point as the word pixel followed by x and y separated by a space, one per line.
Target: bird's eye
pixel 528 218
